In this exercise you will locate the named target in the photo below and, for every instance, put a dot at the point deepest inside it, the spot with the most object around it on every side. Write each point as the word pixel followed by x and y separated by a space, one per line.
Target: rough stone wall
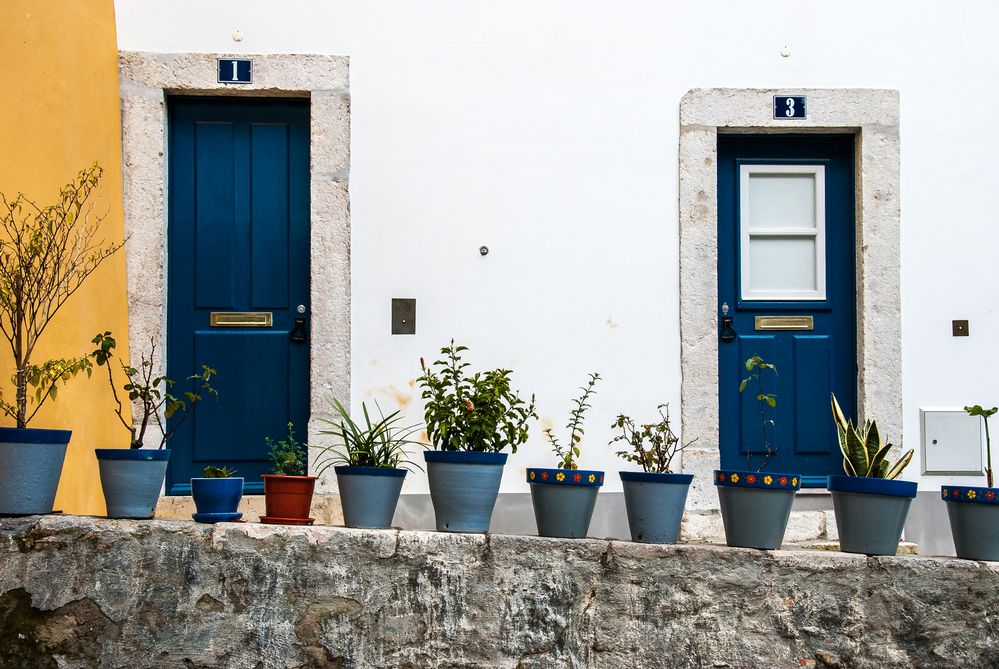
pixel 85 592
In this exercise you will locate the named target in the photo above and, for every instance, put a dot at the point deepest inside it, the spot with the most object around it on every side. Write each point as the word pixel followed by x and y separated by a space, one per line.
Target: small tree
pixel 46 253
pixel 567 455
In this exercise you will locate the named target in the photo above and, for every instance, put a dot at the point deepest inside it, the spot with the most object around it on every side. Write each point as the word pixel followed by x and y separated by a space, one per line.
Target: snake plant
pixel 863 452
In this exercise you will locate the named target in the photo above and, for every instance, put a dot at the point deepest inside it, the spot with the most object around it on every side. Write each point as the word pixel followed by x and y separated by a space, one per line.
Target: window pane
pixel 781 201
pixel 782 263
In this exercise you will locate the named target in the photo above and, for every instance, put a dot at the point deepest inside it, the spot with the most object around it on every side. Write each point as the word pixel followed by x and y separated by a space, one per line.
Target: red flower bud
pixel 469 405
pixel 421 363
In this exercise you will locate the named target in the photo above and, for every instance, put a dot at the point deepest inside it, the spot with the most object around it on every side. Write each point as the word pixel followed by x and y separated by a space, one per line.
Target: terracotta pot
pixel 287 497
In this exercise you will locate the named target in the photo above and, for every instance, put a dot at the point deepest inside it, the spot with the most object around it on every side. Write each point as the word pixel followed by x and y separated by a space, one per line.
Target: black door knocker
pixel 298 333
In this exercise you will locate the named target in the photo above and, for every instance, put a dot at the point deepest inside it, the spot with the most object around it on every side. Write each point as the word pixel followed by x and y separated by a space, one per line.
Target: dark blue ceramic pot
pixel 564 500
pixel 217 499
pixel 30 467
pixel 655 505
pixel 368 495
pixel 755 506
pixel 463 488
pixel 870 513
pixel 132 479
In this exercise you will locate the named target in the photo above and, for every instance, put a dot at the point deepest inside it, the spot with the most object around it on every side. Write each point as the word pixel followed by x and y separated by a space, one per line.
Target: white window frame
pixel 818 233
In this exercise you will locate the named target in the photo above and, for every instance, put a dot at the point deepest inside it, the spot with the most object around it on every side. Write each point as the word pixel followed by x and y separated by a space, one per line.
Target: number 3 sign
pixel 235 71
pixel 788 107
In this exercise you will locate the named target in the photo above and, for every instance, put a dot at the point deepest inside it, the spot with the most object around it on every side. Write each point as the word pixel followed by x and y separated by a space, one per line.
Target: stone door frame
pixel 146 79
pixel 872 117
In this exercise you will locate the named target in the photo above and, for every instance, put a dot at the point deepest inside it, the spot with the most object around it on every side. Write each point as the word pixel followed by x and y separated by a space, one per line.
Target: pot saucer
pixel 218 517
pixel 274 520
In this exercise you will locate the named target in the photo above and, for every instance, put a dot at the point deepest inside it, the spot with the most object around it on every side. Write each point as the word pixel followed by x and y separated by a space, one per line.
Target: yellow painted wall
pixel 60 113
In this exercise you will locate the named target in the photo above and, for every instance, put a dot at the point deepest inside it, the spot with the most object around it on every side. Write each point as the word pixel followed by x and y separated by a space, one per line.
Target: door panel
pixel 786 237
pixel 238 241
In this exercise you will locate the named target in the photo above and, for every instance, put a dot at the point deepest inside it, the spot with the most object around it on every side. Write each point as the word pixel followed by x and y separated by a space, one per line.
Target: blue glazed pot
pixel 870 513
pixel 30 467
pixel 974 520
pixel 132 479
pixel 655 505
pixel 217 499
pixel 463 488
pixel 564 500
pixel 368 495
pixel 755 506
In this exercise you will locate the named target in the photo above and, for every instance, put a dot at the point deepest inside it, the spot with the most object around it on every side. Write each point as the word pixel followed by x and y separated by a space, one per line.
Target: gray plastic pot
pixel 30 467
pixel 974 521
pixel 463 488
pixel 755 506
pixel 563 500
pixel 870 513
pixel 132 479
pixel 368 495
pixel 655 505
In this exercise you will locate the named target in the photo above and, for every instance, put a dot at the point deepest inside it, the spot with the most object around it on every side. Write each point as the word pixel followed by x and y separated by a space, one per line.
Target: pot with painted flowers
pixel 974 510
pixel 756 504
pixel 564 497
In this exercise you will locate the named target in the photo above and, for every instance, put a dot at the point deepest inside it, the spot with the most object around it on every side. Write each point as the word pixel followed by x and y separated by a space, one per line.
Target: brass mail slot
pixel 242 319
pixel 784 323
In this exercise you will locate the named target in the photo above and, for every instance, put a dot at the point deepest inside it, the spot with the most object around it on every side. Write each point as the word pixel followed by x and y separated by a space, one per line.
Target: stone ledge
pixel 81 592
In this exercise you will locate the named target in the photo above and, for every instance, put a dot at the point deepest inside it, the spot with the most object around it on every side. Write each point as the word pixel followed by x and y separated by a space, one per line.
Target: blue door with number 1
pixel 238 284
pixel 786 279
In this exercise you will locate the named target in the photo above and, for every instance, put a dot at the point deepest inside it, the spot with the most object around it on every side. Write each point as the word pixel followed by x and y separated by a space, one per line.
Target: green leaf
pixel 899 466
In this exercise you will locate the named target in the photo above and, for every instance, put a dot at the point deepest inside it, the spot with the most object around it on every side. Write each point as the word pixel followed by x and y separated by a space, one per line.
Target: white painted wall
pixel 548 131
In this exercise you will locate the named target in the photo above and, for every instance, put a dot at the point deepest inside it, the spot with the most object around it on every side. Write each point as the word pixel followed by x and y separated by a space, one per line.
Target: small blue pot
pixel 217 499
pixel 755 506
pixel 974 520
pixel 132 479
pixel 655 505
pixel 30 467
pixel 870 513
pixel 564 500
pixel 463 488
pixel 368 495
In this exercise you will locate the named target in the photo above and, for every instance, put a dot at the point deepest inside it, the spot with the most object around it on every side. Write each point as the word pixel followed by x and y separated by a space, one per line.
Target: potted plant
pixel 217 495
pixel 564 497
pixel 132 478
pixel 973 510
pixel 368 472
pixel 654 497
pixel 288 490
pixel 870 504
pixel 470 421
pixel 755 504
pixel 46 254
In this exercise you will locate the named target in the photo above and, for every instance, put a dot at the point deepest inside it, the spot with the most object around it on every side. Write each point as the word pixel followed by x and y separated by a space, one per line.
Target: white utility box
pixel 952 442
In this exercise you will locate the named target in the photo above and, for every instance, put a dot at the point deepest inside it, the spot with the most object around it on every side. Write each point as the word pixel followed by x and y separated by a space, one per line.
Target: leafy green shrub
pixel 212 472
pixel 472 413
pixel 288 456
pixel 381 443
pixel 567 454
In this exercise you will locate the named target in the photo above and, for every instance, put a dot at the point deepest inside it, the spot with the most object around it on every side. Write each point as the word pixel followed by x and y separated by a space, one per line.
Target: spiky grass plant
pixel 864 454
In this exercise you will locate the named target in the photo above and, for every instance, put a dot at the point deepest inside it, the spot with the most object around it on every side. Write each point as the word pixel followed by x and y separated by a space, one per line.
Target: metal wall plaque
pixel 403 316
pixel 242 319
pixel 788 107
pixel 235 71
pixel 785 323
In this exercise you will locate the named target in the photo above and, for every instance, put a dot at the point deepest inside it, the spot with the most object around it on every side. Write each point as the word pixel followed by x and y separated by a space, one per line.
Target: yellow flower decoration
pixel 734 478
pixel 972 494
pixel 532 476
pixel 560 476
pixel 768 479
pixel 794 481
pixel 592 478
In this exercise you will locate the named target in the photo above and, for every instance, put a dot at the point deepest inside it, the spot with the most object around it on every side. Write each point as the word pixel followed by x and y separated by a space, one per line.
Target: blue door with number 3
pixel 786 278
pixel 238 265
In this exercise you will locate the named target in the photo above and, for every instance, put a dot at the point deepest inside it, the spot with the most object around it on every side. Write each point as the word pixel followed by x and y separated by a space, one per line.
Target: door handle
pixel 298 333
pixel 728 334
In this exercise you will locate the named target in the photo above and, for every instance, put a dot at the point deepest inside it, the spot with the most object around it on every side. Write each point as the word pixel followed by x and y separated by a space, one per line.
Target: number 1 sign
pixel 787 107
pixel 235 71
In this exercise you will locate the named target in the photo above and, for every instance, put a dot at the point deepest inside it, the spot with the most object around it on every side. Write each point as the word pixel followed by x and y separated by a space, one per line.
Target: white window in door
pixel 782 227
